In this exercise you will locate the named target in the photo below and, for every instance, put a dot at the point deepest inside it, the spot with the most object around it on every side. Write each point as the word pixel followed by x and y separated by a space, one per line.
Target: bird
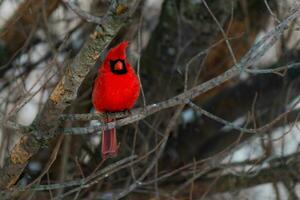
pixel 116 89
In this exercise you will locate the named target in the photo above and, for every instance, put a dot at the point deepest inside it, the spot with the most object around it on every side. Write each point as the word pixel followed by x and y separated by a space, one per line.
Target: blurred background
pixel 181 153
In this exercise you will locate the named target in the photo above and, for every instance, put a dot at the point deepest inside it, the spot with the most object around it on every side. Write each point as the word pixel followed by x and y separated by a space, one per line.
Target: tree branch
pixel 83 14
pixel 62 96
pixel 254 54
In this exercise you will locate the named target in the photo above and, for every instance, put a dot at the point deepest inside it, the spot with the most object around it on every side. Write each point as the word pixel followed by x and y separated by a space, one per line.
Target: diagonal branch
pixel 254 54
pixel 62 96
pixel 83 14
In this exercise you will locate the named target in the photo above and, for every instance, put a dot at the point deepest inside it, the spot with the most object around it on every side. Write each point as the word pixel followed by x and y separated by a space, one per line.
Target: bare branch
pixel 65 92
pixel 255 53
pixel 83 14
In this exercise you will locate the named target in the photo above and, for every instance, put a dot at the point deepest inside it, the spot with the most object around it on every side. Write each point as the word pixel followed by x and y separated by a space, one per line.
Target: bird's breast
pixel 115 92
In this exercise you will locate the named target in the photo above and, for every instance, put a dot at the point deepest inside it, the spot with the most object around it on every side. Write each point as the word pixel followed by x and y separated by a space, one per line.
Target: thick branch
pixel 65 92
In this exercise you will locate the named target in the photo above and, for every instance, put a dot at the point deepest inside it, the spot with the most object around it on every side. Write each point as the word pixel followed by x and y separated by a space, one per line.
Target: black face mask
pixel 119 71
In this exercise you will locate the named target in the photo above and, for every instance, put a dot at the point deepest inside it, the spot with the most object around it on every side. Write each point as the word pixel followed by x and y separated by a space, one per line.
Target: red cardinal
pixel 116 89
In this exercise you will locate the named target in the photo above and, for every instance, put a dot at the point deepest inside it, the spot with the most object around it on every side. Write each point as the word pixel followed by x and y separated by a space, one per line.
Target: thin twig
pixel 83 14
pixel 222 31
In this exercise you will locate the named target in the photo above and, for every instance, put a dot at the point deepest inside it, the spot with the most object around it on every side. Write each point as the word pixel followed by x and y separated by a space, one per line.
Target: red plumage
pixel 116 88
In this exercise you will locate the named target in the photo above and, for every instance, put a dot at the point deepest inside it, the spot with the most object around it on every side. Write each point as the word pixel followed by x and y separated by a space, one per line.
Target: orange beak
pixel 118 66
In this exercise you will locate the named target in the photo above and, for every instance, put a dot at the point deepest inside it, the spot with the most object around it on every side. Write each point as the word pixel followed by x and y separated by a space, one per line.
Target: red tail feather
pixel 109 147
